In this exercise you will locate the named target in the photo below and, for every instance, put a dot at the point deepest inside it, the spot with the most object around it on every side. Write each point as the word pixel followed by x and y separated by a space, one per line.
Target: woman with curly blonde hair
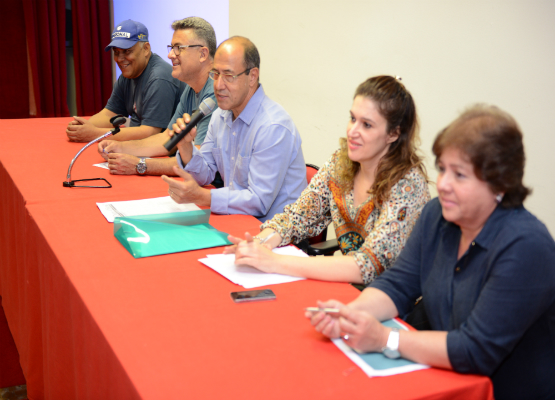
pixel 372 189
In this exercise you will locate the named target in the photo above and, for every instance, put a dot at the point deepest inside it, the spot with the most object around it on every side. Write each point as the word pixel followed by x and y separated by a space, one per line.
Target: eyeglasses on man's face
pixel 177 48
pixel 229 78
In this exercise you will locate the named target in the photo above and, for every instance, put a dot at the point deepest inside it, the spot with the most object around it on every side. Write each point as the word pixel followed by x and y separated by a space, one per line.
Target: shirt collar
pixel 250 110
pixel 147 68
pixel 209 82
pixel 492 226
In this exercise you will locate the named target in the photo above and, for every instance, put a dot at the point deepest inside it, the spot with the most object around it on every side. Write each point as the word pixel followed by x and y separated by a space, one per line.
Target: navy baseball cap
pixel 127 33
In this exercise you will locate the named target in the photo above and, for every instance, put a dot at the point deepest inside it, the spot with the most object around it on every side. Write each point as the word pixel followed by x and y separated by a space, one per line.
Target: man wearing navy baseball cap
pixel 191 52
pixel 145 90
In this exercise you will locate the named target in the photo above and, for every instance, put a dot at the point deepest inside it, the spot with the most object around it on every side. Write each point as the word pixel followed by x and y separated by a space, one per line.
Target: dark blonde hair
pixel 492 141
pixel 202 29
pixel 396 106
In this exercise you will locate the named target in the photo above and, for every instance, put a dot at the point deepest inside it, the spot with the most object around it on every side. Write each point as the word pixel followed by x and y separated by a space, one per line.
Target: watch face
pixel 391 349
pixel 141 167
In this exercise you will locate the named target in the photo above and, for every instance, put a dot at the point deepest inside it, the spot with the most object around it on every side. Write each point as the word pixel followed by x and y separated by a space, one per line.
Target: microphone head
pixel 118 120
pixel 207 106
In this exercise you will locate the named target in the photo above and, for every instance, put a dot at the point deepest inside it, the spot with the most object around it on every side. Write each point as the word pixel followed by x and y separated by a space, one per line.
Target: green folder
pixel 152 235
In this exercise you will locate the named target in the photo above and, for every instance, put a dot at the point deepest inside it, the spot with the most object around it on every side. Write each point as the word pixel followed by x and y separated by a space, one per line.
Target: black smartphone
pixel 253 295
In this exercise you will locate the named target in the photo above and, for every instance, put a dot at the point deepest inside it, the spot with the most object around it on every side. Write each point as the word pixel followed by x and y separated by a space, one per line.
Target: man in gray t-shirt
pixel 145 90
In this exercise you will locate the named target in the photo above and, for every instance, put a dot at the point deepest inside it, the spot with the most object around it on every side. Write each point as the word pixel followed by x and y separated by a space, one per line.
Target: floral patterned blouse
pixel 373 236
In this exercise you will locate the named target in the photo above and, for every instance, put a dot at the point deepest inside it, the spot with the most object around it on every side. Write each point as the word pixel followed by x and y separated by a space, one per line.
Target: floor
pixel 14 393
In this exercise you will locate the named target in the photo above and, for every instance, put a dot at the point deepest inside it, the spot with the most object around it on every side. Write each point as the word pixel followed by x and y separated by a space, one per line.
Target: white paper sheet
pixel 132 208
pixel 105 164
pixel 102 165
pixel 246 276
pixel 376 364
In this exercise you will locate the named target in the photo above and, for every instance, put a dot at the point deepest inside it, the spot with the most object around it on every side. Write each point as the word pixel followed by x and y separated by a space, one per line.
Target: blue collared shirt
pixel 258 155
pixel 497 301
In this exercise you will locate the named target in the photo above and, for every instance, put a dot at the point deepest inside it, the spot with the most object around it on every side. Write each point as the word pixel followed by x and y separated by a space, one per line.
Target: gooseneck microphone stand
pixel 116 121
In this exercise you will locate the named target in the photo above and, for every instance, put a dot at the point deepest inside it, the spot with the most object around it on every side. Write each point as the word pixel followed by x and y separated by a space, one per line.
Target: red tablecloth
pixel 90 321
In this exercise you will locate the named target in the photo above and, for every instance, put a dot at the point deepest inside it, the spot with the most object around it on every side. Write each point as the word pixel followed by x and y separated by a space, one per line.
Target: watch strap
pixel 393 339
pixel 391 349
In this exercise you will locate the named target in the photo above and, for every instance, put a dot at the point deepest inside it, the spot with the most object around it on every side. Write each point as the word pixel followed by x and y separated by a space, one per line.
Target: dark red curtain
pixel 93 66
pixel 14 85
pixel 45 27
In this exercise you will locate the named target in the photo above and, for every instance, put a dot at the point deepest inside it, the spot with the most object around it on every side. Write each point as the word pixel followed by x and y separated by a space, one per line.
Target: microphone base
pixel 71 184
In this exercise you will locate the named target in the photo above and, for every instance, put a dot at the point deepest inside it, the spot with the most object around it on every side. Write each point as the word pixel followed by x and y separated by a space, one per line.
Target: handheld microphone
pixel 205 108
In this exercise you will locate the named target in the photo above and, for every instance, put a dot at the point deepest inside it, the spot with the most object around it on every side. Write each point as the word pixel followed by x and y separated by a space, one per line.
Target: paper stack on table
pixel 246 276
pixel 133 208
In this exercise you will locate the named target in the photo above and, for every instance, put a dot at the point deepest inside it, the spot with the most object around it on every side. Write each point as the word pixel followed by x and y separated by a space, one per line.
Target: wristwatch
pixel 141 166
pixel 391 349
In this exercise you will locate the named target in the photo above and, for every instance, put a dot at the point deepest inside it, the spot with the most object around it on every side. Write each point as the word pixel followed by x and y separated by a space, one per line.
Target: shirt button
pixel 457 269
pixel 232 158
pixel 473 243
pixel 234 134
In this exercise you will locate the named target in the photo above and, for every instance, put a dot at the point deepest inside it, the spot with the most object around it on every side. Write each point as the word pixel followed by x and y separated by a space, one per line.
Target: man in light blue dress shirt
pixel 251 141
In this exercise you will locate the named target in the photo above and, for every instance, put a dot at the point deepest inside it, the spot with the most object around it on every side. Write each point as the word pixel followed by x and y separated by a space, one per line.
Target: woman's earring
pixel 499 197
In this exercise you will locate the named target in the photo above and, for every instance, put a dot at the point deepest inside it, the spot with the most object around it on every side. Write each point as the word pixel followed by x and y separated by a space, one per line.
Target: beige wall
pixel 449 53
